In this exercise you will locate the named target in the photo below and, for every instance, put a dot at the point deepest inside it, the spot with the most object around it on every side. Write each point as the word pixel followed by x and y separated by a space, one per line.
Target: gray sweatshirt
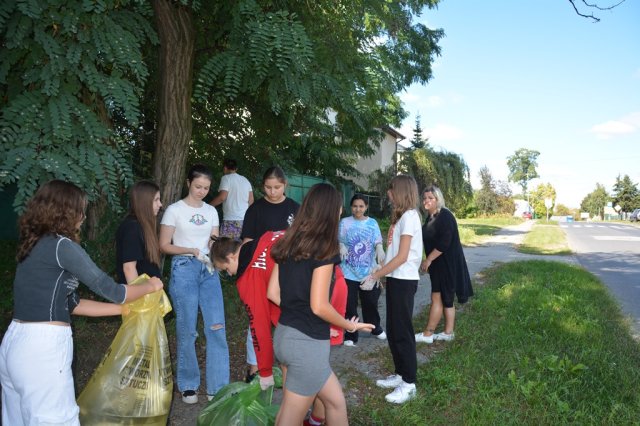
pixel 45 287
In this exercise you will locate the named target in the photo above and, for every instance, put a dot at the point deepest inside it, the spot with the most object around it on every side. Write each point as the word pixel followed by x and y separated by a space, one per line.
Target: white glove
pixel 266 382
pixel 380 254
pixel 343 251
pixel 368 283
pixel 207 262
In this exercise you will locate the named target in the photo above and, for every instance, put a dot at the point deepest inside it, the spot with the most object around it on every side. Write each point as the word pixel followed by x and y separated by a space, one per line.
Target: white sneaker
pixel 348 343
pixel 402 393
pixel 382 336
pixel 190 397
pixel 421 338
pixel 390 382
pixel 444 336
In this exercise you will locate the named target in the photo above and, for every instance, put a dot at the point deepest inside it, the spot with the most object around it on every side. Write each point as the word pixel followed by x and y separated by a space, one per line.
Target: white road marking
pixel 615 238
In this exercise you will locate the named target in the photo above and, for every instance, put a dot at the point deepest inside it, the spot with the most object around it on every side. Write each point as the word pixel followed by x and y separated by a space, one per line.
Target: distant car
pixel 635 216
pixel 527 215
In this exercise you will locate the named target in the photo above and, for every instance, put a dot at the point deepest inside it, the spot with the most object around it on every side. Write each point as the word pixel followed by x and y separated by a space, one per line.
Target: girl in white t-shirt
pixel 401 267
pixel 185 232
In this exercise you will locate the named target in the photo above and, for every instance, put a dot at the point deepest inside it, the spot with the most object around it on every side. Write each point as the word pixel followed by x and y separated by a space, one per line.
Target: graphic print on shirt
pixel 261 260
pixel 290 219
pixel 71 284
pixel 390 235
pixel 360 249
pixel 198 219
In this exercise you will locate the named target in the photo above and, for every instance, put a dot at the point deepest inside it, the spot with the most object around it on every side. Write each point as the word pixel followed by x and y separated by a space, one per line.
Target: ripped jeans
pixel 192 286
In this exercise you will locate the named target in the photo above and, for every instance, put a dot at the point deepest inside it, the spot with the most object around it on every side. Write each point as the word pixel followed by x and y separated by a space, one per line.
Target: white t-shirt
pixel 237 202
pixel 193 224
pixel 409 224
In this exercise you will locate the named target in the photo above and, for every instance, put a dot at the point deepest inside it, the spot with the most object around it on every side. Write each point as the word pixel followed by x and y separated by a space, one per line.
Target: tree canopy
pixel 522 167
pixel 493 197
pixel 447 170
pixel 595 201
pixel 91 87
pixel 539 196
pixel 69 70
pixel 626 194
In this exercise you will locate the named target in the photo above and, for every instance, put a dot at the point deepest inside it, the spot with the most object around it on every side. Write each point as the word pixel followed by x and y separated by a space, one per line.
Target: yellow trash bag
pixel 133 384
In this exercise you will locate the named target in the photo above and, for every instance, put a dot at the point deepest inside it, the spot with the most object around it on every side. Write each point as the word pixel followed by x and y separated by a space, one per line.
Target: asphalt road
pixel 612 252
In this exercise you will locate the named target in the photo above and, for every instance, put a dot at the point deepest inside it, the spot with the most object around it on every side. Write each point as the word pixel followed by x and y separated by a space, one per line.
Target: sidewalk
pixel 348 362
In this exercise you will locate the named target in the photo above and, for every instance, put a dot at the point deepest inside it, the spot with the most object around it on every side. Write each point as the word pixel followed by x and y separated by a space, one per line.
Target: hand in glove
pixel 266 382
pixel 207 262
pixel 343 251
pixel 380 256
pixel 368 283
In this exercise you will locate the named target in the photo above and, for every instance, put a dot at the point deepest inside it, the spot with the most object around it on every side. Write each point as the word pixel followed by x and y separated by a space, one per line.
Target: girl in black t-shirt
pixel 273 212
pixel 137 247
pixel 301 284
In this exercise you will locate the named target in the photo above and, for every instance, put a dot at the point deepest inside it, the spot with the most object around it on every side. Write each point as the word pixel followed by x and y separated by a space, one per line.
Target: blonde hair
pixel 405 196
pixel 436 193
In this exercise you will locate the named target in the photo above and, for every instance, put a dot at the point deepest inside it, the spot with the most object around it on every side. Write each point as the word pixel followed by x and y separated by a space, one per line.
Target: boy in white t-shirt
pixel 236 195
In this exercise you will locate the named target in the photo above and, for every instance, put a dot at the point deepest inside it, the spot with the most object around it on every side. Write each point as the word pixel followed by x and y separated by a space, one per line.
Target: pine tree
pixel 417 142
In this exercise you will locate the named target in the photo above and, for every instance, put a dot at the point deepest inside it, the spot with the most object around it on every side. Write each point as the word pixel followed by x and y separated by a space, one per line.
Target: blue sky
pixel 533 74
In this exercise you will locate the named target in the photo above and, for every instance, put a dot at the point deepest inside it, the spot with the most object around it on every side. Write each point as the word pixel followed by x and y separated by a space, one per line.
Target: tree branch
pixel 595 6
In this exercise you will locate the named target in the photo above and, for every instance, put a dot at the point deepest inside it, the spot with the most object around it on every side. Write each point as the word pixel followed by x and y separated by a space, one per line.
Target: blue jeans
pixel 192 286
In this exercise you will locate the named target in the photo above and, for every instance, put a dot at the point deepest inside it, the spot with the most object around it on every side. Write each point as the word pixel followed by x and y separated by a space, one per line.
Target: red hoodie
pixel 252 287
pixel 339 302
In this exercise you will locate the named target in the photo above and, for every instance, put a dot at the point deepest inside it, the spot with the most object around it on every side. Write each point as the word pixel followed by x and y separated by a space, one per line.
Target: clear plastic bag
pixel 133 384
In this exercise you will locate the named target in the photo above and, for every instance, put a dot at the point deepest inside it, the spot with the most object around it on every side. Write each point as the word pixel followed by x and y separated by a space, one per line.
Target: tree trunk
pixel 174 24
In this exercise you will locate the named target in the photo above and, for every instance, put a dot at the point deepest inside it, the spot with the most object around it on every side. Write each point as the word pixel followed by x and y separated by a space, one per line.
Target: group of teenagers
pixel 299 268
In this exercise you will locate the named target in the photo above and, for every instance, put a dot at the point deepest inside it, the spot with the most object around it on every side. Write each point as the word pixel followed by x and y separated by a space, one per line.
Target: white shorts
pixel 36 378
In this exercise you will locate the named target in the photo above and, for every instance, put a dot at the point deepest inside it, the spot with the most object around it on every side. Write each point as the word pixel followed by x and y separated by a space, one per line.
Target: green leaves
pixel 269 52
pixel 290 65
pixel 67 69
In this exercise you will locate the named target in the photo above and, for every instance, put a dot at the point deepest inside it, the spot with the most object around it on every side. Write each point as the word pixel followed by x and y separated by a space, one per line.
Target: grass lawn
pixel 541 343
pixel 475 231
pixel 545 238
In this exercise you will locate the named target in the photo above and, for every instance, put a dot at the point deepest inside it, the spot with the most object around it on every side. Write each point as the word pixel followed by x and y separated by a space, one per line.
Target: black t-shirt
pixel 130 247
pixel 295 297
pixel 263 216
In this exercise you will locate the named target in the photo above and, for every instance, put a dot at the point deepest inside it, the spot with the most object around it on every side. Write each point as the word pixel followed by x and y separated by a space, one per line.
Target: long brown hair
pixel 141 207
pixel 56 208
pixel 314 232
pixel 405 196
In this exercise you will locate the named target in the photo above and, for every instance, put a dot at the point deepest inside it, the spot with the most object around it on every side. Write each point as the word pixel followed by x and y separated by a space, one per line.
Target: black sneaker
pixel 250 376
pixel 190 397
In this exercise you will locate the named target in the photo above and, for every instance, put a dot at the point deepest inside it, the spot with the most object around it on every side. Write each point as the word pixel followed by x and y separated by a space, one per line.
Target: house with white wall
pixel 384 156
